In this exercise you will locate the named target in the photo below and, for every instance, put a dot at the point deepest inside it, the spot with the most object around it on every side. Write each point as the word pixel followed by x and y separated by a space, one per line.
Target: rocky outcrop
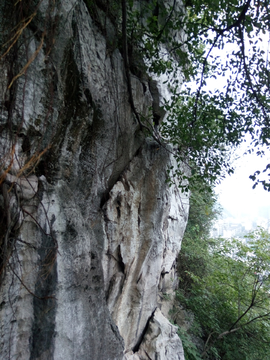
pixel 91 229
pixel 144 220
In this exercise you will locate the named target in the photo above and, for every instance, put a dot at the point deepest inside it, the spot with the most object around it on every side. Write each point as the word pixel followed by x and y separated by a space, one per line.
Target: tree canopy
pixel 225 41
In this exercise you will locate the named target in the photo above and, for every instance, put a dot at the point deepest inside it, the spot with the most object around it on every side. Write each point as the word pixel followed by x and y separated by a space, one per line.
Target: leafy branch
pixel 209 25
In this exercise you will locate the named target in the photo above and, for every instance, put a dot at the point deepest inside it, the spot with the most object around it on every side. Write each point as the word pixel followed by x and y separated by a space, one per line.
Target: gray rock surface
pixel 91 228
pixel 161 340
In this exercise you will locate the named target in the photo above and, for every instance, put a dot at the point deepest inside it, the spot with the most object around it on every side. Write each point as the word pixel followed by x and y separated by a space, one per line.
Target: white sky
pixel 235 192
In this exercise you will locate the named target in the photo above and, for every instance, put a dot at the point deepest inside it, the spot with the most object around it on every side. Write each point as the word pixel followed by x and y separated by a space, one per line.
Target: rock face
pixel 90 229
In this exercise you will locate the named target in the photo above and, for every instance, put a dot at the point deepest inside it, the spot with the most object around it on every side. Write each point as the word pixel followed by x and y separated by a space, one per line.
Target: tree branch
pixel 167 21
pixel 126 62
pixel 254 92
pixel 244 313
pixel 151 130
pixel 228 332
pixel 220 32
pixel 237 23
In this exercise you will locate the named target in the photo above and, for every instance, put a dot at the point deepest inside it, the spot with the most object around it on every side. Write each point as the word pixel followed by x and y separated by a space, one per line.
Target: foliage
pixel 231 298
pixel 223 41
pixel 192 259
pixel 190 349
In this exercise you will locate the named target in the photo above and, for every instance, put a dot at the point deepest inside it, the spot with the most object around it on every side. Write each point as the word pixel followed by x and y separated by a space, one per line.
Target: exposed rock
pixel 161 340
pixel 91 228
pixel 144 220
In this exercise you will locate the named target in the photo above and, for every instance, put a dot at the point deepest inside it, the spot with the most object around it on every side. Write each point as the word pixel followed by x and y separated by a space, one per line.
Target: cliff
pixel 90 229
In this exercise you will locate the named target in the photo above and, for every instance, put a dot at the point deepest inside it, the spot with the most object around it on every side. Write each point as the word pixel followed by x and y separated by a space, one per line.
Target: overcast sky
pixel 235 192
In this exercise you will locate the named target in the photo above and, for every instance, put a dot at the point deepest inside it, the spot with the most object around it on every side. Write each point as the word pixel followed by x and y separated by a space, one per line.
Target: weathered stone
pixel 143 223
pixel 95 227
pixel 161 340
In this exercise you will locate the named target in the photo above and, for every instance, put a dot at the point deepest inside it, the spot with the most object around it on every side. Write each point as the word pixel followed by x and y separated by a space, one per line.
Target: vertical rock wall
pixel 90 229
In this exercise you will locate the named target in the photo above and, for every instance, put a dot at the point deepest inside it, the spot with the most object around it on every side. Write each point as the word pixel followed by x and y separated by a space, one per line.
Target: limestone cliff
pixel 90 230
